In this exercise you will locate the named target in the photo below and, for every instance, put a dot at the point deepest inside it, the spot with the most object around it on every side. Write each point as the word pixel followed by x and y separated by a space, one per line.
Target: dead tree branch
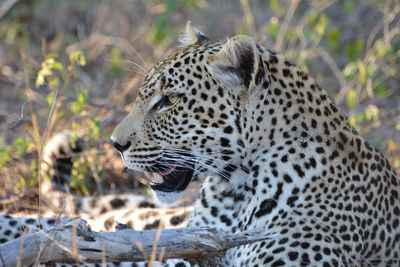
pixel 75 242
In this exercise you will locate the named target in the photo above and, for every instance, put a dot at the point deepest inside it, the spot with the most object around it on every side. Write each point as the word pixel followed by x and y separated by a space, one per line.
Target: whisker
pixel 137 72
pixel 204 165
pixel 198 155
pixel 139 56
pixel 134 64
pixel 131 63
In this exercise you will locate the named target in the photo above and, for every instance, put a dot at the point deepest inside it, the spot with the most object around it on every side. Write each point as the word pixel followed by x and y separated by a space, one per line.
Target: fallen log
pixel 74 242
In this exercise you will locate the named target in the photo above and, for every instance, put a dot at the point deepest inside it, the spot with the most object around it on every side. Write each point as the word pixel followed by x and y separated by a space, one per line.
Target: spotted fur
pixel 12 227
pixel 58 157
pixel 275 153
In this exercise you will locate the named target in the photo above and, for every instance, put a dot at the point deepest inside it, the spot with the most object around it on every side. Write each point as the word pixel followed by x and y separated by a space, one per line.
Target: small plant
pixel 56 80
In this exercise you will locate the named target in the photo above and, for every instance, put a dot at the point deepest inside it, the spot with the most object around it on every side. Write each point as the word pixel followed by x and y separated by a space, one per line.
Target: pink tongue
pixel 168 171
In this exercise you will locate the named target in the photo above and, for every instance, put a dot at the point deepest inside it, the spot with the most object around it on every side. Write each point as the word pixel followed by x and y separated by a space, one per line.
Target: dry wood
pixel 74 241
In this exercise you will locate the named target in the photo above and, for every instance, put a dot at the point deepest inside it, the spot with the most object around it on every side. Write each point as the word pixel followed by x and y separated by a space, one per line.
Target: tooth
pixel 149 175
pixel 157 178
pixel 154 177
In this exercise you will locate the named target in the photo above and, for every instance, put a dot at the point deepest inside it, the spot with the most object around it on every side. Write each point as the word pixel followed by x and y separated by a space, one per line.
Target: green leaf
pixel 371 68
pixel 189 3
pixel 33 169
pixel 52 56
pixel 355 50
pixel 359 46
pixel 53 83
pixel 350 52
pixel 115 58
pixel 5 156
pixel 351 98
pixel 20 146
pixel 355 119
pixel 76 107
pixel 360 117
pixel 333 39
pixel 381 48
pixel 172 4
pixel 273 29
pixel 95 128
pixel 50 98
pixel 322 23
pixel 334 35
pixel 352 120
pixel 312 18
pixel 78 58
pixel 80 103
pixel 56 65
pixel 157 34
pixel 47 67
pixel 349 6
pixel 349 71
pixel 274 5
pixel 363 74
pixel 380 91
pixel 82 97
pixel 39 79
pixel 380 3
pixel 76 126
pixel 312 35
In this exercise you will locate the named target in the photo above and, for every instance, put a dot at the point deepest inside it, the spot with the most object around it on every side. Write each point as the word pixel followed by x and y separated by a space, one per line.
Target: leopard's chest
pixel 237 208
pixel 263 195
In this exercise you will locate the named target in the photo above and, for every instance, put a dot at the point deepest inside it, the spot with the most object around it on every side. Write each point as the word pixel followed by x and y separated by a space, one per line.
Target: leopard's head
pixel 186 122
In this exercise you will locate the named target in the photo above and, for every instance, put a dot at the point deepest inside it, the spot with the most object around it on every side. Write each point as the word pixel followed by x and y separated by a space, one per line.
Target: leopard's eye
pixel 166 101
pixel 172 99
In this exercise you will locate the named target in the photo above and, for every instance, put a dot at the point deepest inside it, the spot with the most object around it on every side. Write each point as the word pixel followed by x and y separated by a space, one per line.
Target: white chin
pixel 167 197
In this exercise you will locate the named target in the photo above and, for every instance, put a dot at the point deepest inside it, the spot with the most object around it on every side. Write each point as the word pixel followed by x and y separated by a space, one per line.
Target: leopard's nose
pixel 121 148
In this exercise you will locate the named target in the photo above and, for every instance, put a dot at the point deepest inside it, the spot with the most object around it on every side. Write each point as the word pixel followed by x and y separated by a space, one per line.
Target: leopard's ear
pixel 192 36
pixel 238 63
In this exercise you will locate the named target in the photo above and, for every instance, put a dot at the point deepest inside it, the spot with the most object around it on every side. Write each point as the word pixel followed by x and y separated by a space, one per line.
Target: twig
pixel 21 116
pixel 335 69
pixel 289 15
pixel 36 132
pixel 139 56
pixel 6 6
pixel 95 173
pixel 248 16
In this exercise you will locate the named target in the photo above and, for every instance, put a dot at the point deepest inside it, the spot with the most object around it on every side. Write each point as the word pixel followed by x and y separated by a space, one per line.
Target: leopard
pixel 272 150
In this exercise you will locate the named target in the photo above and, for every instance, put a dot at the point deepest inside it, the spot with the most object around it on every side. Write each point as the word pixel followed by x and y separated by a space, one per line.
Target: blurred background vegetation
pixel 76 65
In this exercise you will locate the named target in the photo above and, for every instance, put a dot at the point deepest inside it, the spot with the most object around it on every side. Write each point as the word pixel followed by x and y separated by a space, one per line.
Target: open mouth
pixel 170 175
